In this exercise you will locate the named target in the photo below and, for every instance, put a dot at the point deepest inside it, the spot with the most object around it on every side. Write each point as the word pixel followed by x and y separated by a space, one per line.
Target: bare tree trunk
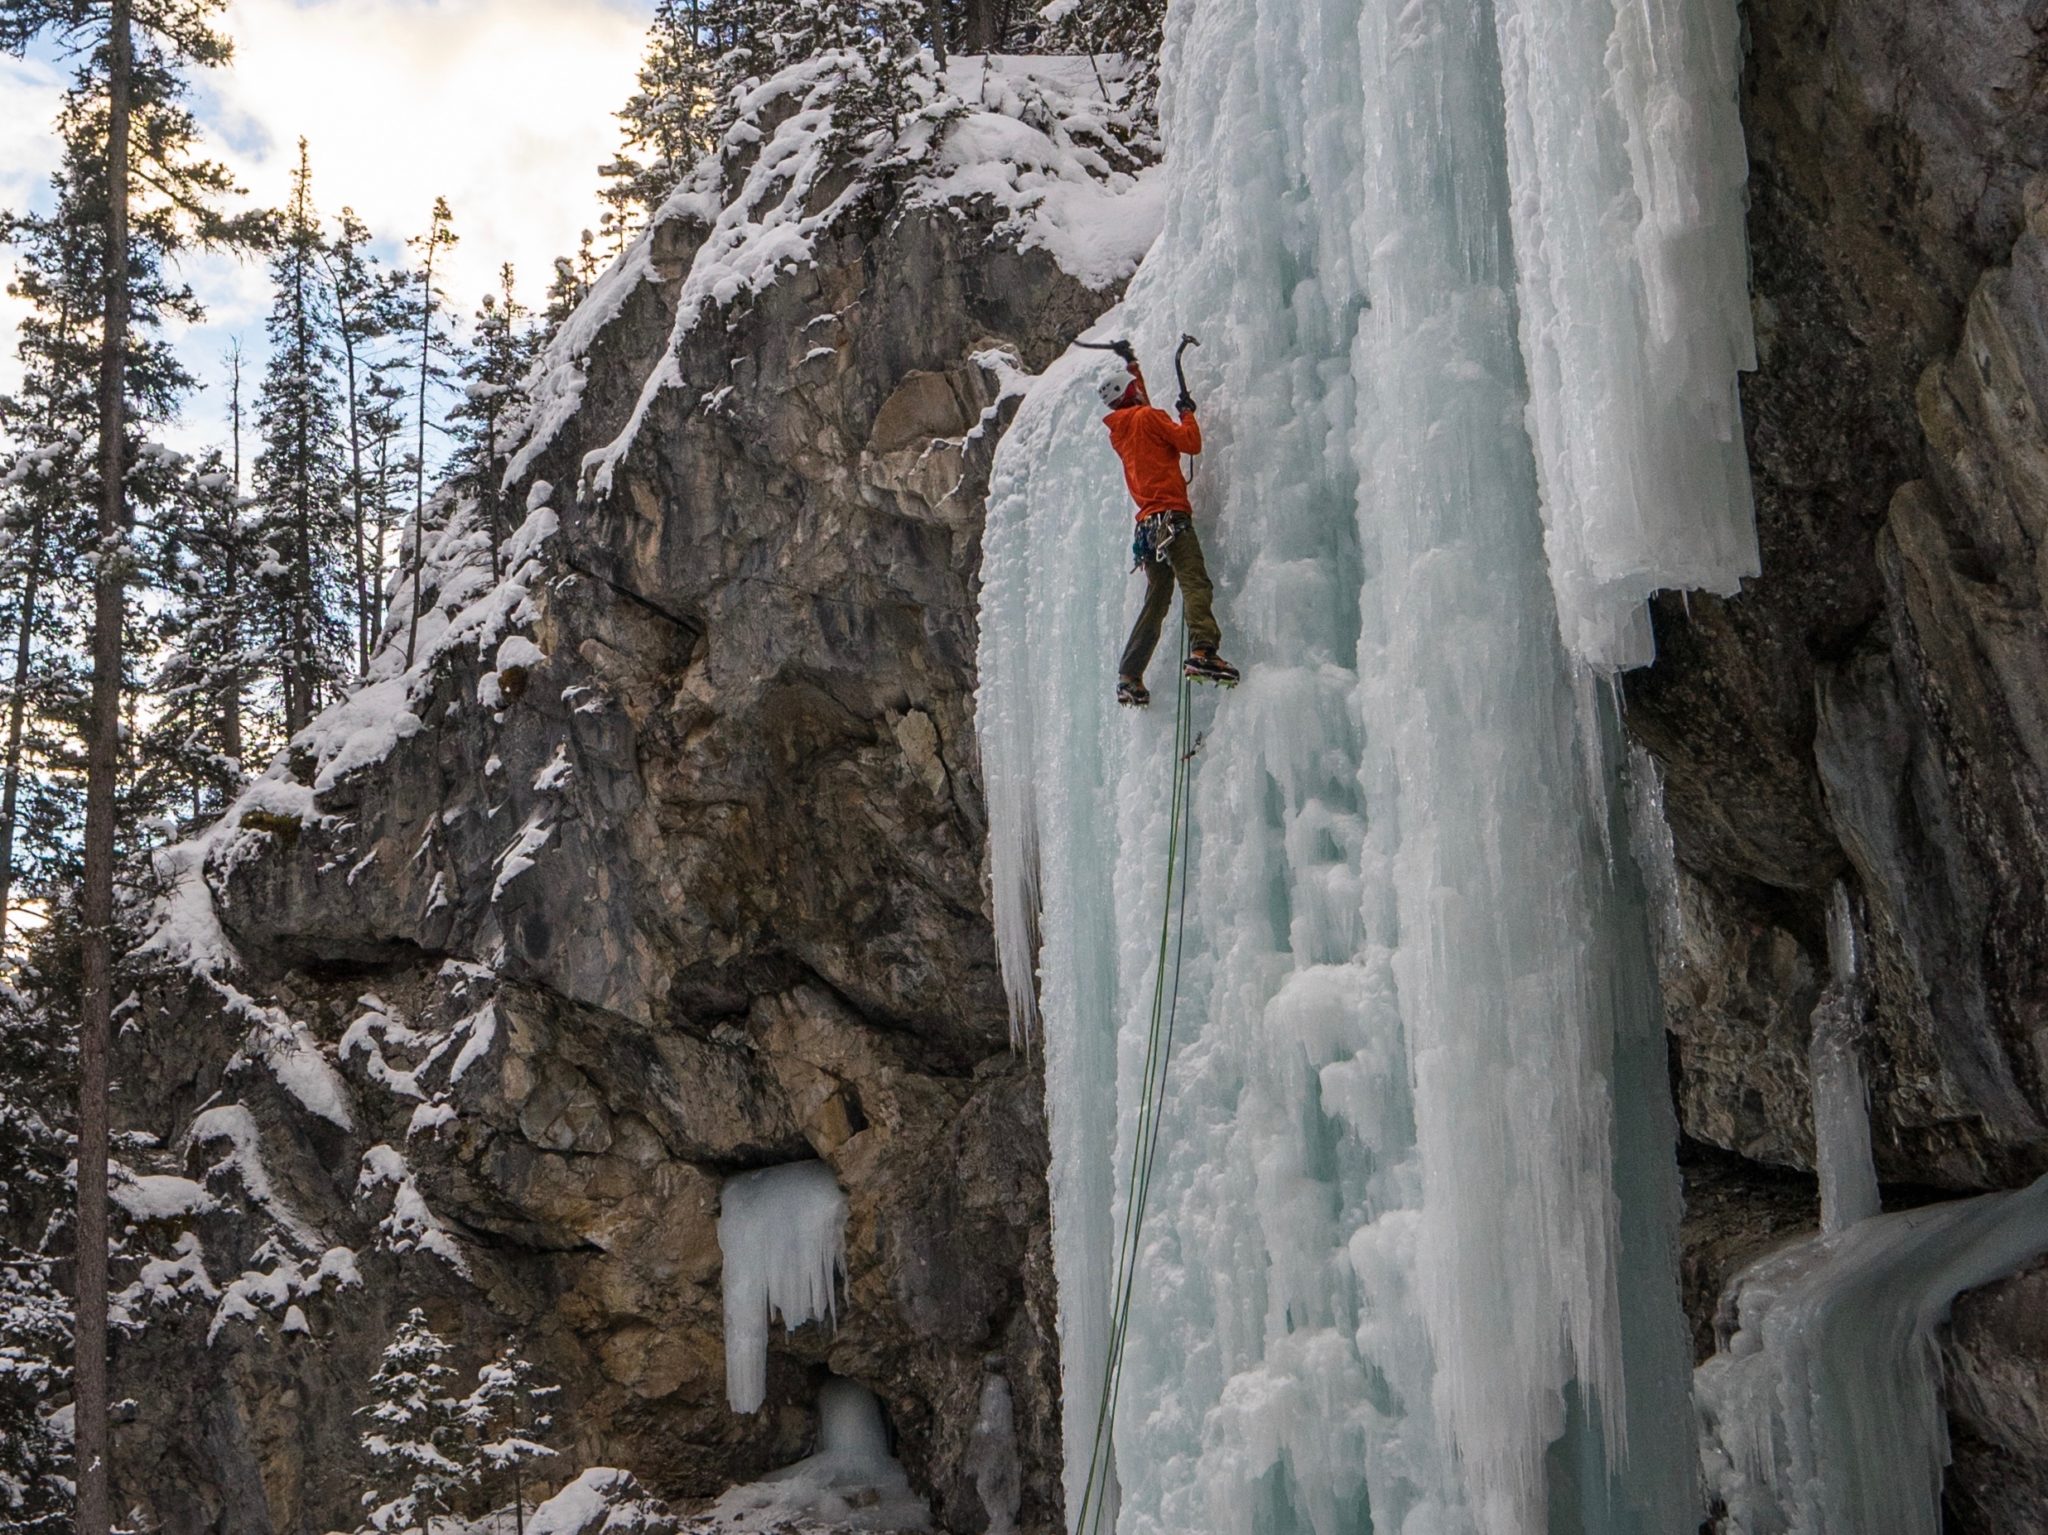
pixel 364 634
pixel 231 554
pixel 89 1370
pixel 980 31
pixel 419 495
pixel 935 23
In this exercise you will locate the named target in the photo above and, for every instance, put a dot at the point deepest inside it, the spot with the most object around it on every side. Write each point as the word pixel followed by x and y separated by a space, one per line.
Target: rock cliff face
pixel 1870 711
pixel 695 887
pixel 690 884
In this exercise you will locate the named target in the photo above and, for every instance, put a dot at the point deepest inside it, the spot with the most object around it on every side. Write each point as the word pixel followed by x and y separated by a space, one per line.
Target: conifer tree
pixel 35 1320
pixel 509 1417
pixel 666 122
pixel 879 93
pixel 196 734
pixel 572 281
pixel 383 426
pixel 416 1439
pixel 135 180
pixel 433 344
pixel 368 307
pixel 501 347
pixel 299 481
pixel 877 45
pixel 45 500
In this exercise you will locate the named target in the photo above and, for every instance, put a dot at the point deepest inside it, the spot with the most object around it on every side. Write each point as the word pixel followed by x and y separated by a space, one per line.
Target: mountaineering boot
pixel 1204 665
pixel 1131 692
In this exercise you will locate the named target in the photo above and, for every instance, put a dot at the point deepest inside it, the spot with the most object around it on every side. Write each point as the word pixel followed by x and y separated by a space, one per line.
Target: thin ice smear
pixel 1823 1413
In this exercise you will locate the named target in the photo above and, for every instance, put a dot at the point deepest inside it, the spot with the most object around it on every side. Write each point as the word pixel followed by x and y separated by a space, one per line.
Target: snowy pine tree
pixel 36 1067
pixel 888 76
pixel 131 179
pixel 418 1439
pixel 666 122
pixel 508 1414
pixel 46 485
pixel 500 351
pixel 368 309
pixel 432 345
pixel 202 732
pixel 299 479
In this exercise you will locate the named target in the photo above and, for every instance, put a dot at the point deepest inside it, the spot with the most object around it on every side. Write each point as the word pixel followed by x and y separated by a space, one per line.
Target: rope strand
pixel 1145 1143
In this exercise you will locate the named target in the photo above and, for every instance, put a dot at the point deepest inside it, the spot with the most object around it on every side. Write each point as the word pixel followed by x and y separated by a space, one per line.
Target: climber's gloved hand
pixel 1126 351
pixel 1185 403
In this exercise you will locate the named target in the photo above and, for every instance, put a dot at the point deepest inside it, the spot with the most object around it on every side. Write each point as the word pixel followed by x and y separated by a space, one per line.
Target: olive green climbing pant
pixel 1183 564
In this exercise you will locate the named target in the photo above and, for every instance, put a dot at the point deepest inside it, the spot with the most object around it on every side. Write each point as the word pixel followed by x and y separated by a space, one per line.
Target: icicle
pixel 782 1232
pixel 1841 1101
pixel 1656 857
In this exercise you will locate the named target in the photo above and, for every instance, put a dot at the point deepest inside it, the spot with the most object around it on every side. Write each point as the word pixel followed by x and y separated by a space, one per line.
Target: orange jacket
pixel 1150 442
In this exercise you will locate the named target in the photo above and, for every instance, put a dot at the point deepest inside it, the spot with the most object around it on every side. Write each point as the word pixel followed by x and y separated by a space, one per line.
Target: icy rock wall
pixel 1408 1249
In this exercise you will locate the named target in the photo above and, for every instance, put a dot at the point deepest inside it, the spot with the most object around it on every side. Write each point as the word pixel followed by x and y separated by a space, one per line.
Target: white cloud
pixel 28 154
pixel 504 107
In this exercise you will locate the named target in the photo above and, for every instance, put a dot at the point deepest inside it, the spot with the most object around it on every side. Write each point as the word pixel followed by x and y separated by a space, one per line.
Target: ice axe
pixel 1121 347
pixel 1186 401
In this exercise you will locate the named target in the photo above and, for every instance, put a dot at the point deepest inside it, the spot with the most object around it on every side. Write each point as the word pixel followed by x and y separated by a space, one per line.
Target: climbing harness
pixel 1145 1145
pixel 1154 534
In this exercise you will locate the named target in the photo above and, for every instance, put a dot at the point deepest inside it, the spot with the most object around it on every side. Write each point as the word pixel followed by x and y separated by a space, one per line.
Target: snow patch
pixel 410 1225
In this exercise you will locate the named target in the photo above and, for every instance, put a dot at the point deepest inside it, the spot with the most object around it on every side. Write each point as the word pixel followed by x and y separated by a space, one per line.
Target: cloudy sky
pixel 502 106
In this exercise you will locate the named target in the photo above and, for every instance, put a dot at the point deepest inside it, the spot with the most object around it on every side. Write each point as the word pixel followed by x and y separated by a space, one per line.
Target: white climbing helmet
pixel 1112 388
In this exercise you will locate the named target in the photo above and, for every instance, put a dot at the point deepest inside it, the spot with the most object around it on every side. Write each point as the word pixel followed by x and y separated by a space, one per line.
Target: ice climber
pixel 1150 443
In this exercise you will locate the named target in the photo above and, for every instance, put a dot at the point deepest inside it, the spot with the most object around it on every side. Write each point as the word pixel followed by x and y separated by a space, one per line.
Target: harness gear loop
pixel 1154 534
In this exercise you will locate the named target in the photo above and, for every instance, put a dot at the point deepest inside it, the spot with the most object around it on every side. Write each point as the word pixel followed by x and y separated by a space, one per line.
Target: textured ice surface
pixel 1626 169
pixel 1409 1250
pixel 782 1232
pixel 1823 1415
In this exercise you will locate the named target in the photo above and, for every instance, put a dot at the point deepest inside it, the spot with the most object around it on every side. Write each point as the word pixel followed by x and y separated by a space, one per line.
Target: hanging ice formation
pixel 782 1235
pixel 1823 1414
pixel 1408 1258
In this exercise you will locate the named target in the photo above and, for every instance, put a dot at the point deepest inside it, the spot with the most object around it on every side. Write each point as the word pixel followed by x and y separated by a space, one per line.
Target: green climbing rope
pixel 1145 1144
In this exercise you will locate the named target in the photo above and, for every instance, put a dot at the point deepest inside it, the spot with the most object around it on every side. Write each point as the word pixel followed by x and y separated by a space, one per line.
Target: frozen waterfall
pixel 1409 1249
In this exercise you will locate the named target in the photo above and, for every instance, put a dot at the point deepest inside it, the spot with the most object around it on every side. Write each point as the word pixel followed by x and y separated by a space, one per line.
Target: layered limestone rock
pixel 682 881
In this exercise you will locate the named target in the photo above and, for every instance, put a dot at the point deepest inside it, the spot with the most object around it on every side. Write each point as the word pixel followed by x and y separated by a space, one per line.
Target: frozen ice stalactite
pixel 851 1483
pixel 1627 173
pixel 782 1232
pixel 1841 1099
pixel 1822 1414
pixel 1409 1251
